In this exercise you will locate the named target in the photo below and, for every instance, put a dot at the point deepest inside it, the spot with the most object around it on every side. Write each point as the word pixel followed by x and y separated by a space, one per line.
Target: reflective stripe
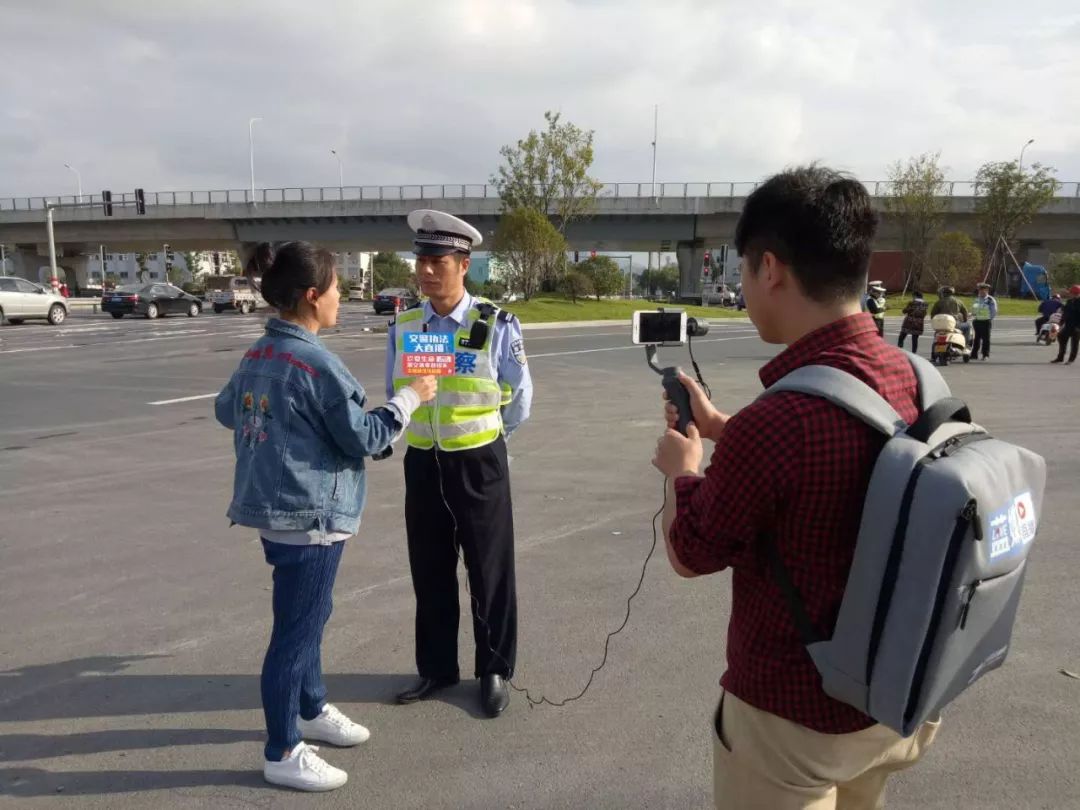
pixel 507 394
pixel 488 398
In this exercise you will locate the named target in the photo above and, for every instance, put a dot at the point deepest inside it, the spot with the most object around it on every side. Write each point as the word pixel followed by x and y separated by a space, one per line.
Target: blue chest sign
pixel 429 343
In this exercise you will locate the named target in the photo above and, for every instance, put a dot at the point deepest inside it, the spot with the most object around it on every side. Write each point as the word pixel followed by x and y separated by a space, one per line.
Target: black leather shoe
pixel 424 688
pixel 494 695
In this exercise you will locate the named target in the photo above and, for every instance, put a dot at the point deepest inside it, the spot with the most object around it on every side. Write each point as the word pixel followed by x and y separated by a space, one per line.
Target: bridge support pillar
pixel 691 256
pixel 25 262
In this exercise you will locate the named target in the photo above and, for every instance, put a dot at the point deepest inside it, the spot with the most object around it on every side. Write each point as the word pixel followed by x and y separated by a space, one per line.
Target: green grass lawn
pixel 552 308
pixel 1006 306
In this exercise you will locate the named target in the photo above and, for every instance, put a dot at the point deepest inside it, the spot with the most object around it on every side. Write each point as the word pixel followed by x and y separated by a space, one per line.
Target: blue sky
pixel 159 95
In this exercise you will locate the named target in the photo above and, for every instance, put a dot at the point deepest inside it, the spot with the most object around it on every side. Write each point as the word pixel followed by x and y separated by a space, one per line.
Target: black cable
pixel 697 371
pixel 542 699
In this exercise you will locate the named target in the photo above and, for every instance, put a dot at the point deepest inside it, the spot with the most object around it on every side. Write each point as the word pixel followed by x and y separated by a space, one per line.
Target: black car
pixel 150 301
pixel 394 296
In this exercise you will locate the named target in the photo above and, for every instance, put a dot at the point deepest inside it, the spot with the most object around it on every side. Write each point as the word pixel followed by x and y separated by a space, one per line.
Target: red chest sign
pixel 428 353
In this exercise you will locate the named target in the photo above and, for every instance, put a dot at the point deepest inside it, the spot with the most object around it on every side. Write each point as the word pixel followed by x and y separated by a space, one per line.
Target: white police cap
pixel 439 233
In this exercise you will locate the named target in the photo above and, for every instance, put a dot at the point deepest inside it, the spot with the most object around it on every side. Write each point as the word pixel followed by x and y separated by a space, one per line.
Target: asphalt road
pixel 135 619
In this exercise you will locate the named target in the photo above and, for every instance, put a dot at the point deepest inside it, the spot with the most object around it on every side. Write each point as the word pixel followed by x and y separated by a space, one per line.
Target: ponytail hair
pixel 296 268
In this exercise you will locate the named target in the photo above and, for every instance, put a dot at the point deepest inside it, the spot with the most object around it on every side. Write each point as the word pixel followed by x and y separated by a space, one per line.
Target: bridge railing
pixel 441 191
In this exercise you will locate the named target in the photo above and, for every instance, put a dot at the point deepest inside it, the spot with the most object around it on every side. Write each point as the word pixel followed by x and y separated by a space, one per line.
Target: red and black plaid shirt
pixel 795 467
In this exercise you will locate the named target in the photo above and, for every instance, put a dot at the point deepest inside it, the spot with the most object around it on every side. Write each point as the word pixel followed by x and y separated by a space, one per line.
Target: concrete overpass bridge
pixel 687 218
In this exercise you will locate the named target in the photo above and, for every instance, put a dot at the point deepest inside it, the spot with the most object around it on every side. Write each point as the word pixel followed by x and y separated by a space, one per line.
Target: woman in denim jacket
pixel 301 435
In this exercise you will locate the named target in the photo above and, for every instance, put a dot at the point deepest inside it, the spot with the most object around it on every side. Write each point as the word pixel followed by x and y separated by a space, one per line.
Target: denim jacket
pixel 300 433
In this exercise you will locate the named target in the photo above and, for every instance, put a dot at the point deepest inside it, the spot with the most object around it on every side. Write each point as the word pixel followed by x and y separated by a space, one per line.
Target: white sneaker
pixel 333 727
pixel 303 769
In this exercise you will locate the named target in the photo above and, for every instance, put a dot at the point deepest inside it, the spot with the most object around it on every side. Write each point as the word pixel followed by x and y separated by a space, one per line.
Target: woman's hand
pixel 425 387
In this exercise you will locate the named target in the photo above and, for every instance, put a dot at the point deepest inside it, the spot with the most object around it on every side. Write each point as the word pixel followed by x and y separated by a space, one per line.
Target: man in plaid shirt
pixel 795 468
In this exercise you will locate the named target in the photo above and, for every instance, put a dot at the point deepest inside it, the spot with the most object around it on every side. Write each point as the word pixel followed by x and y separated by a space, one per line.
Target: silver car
pixel 21 300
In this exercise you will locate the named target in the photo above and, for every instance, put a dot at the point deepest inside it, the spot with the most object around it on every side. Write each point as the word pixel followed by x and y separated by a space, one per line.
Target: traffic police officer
pixel 983 312
pixel 874 303
pixel 457 480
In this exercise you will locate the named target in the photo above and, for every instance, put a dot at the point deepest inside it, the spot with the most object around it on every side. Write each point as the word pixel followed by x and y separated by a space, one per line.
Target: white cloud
pixel 422 91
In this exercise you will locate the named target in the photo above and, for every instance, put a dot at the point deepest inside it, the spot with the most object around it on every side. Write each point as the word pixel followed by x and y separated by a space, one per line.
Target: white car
pixel 22 300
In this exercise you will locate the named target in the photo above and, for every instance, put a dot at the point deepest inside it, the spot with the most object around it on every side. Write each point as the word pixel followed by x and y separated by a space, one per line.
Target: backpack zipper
pixel 964 521
pixel 969 596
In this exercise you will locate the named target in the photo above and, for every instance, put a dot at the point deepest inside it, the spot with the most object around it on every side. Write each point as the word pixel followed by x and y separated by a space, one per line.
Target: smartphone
pixel 653 328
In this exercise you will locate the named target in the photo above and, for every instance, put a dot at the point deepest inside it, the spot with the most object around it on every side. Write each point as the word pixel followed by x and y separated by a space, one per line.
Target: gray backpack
pixel 947 525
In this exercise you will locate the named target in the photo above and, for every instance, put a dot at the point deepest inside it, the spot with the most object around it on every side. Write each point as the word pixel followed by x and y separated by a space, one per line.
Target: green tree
pixel 1064 270
pixel 191 260
pixel 955 260
pixel 549 172
pixel 576 284
pixel 661 281
pixel 917 201
pixel 1008 198
pixel 530 246
pixel 390 270
pixel 605 276
pixel 493 290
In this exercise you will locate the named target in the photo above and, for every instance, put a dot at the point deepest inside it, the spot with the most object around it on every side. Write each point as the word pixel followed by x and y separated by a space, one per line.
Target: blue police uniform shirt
pixel 507 355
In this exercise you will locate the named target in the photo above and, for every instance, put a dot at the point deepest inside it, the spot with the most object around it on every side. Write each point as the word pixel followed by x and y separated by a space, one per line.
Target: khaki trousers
pixel 764 762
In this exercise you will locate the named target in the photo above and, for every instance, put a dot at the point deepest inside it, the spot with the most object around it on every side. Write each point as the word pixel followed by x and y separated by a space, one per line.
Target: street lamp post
pixel 1025 146
pixel 340 170
pixel 78 178
pixel 251 154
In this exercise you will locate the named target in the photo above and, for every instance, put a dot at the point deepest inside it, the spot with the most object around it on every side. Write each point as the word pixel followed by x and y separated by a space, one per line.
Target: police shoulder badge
pixel 517 348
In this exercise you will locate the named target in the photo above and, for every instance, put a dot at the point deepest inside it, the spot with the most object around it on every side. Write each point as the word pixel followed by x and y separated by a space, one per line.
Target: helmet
pixel 1074 289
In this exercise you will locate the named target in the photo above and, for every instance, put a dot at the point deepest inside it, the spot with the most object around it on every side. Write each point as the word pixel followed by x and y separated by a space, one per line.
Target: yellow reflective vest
pixel 466 410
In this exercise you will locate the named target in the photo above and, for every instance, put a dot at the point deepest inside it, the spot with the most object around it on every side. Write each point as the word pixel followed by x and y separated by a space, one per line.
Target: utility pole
pixel 54 280
pixel 655 132
pixel 251 154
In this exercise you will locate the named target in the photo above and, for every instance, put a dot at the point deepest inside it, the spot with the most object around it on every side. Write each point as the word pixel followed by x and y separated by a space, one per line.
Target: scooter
pixel 1048 332
pixel 949 343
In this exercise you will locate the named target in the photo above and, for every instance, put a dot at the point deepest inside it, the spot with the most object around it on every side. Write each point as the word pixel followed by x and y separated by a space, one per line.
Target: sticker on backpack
pixel 1013 526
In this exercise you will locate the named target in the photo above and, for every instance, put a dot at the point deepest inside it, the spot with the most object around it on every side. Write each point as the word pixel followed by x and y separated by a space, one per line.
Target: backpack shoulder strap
pixel 932 386
pixel 844 390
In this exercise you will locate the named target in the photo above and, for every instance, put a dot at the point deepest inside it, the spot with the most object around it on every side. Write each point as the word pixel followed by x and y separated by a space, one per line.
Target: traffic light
pixel 576 258
pixel 106 202
pixel 706 265
pixel 140 201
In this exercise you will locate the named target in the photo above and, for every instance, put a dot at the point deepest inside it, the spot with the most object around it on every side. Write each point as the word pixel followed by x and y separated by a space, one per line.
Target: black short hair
pixel 816 220
pixel 297 267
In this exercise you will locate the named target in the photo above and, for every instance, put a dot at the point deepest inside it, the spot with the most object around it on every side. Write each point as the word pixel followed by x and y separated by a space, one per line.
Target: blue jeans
pixel 292 680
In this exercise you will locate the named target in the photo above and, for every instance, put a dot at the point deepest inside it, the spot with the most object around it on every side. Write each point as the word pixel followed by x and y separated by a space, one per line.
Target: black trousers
pixel 476 484
pixel 982 338
pixel 1072 337
pixel 1039 323
pixel 914 340
pixel 880 324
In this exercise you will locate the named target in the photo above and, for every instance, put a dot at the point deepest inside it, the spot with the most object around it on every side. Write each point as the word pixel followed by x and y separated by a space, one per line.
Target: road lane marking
pixel 38 349
pixel 182 399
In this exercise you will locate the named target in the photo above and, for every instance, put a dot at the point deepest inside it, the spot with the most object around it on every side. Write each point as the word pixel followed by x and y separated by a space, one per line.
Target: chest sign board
pixel 428 353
